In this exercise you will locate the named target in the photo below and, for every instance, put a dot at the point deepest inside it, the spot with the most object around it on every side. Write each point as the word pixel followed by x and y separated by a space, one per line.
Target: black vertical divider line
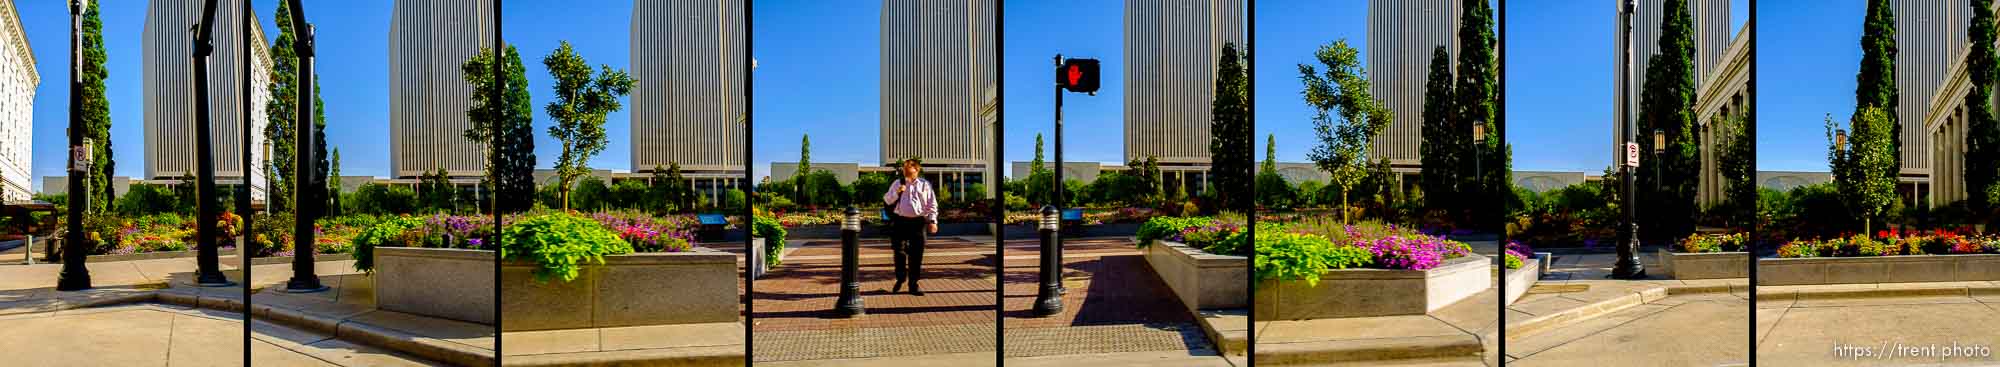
pixel 499 95
pixel 1250 221
pixel 1500 10
pixel 999 196
pixel 1752 325
pixel 243 251
pixel 749 186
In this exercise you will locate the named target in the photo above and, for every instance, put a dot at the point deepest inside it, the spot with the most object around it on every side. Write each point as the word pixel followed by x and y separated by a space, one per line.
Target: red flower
pixel 1881 234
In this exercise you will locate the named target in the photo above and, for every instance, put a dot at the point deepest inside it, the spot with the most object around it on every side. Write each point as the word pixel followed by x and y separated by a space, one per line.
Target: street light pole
pixel 208 272
pixel 308 203
pixel 1061 202
pixel 1628 266
pixel 74 275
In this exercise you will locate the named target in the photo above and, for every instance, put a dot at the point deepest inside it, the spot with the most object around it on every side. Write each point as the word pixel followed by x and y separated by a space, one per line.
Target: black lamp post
pixel 1478 160
pixel 307 205
pixel 208 272
pixel 75 276
pixel 1659 147
pixel 1628 266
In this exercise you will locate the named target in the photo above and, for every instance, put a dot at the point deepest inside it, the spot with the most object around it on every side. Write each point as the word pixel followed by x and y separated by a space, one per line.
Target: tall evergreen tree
pixel 1667 105
pixel 1862 171
pixel 1347 117
pixel 803 179
pixel 1230 134
pixel 1982 140
pixel 333 186
pixel 1875 85
pixel 515 141
pixel 1477 104
pixel 97 113
pixel 1444 144
pixel 582 101
pixel 1041 179
pixel 282 111
pixel 1272 190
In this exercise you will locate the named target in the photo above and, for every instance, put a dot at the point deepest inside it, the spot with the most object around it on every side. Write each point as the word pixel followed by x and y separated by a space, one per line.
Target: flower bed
pixel 1322 269
pixel 1523 270
pixel 1201 259
pixel 1707 256
pixel 1891 257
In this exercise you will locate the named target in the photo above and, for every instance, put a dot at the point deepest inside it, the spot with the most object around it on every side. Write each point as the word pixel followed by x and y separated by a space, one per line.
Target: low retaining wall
pixel 1878 269
pixel 449 283
pixel 1374 292
pixel 1202 280
pixel 627 290
pixel 1519 280
pixel 1708 265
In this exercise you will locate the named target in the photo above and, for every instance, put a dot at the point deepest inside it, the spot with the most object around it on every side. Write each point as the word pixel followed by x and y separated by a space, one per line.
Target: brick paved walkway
pixel 795 320
pixel 1115 304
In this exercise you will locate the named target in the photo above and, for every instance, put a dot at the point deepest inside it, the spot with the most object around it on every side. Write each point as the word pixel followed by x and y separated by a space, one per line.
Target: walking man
pixel 915 207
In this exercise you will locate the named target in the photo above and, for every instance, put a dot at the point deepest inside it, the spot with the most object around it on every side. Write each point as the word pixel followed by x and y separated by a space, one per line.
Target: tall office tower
pixel 1401 36
pixel 1172 48
pixel 688 106
pixel 428 95
pixel 169 92
pixel 1711 38
pixel 939 69
pixel 18 79
pixel 1930 37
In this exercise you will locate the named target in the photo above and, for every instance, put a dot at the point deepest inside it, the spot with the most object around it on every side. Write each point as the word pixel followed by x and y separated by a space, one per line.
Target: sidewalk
pixel 347 312
pixel 1803 325
pixel 1116 309
pixel 795 319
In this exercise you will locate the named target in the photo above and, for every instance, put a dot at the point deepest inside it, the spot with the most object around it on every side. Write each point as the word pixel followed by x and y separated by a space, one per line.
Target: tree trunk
pixel 1343 204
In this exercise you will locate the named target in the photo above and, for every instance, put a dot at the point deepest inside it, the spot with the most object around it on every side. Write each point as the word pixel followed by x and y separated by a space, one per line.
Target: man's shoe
pixel 897 288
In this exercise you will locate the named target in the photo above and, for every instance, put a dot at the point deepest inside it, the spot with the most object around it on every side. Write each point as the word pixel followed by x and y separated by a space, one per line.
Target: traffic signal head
pixel 1077 75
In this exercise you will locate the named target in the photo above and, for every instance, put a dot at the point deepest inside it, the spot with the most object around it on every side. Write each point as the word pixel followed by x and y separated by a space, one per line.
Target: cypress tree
pixel 1982 141
pixel 1230 145
pixel 1444 138
pixel 1875 85
pixel 1476 105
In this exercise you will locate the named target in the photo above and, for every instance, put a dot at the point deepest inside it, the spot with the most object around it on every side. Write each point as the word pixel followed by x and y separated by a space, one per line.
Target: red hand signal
pixel 1075 74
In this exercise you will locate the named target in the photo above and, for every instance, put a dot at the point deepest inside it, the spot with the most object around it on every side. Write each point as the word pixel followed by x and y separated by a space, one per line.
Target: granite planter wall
pixel 1878 269
pixel 1374 292
pixel 1202 280
pixel 1706 265
pixel 627 290
pixel 449 283
pixel 1519 280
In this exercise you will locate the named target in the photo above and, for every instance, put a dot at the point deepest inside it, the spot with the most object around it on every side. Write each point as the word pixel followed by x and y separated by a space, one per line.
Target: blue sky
pixel 598 30
pixel 1093 126
pixel 1560 83
pixel 818 74
pixel 1807 58
pixel 352 63
pixel 1288 32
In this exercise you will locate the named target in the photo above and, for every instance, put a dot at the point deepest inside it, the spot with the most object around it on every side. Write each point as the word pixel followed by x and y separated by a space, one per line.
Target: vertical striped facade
pixel 1723 97
pixel 428 96
pixel 1401 36
pixel 1172 49
pixel 18 80
pixel 169 91
pixel 688 57
pixel 1944 126
pixel 1711 38
pixel 1930 35
pixel 939 68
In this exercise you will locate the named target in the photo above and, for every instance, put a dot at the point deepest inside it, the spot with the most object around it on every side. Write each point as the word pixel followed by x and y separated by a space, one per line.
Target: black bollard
pixel 850 265
pixel 1048 301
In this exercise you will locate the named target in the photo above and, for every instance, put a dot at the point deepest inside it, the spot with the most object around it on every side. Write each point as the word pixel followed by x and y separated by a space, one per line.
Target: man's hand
pixel 901 188
pixel 933 227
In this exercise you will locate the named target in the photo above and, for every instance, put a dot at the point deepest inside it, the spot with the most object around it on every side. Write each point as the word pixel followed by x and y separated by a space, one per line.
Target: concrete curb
pixel 721 355
pixel 1918 291
pixel 1578 314
pixel 421 346
pixel 1370 349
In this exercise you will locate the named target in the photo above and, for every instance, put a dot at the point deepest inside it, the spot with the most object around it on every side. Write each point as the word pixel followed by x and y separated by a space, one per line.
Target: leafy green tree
pixel 333 187
pixel 1347 118
pixel 871 185
pixel 1444 138
pixel 436 193
pixel 1041 181
pixel 282 111
pixel 1859 168
pixel 671 189
pixel 590 194
pixel 1272 190
pixel 515 140
pixel 1736 167
pixel 1667 106
pixel 96 112
pixel 582 101
pixel 1982 138
pixel 1230 146
pixel 629 194
pixel 804 175
pixel 1875 85
pixel 1478 103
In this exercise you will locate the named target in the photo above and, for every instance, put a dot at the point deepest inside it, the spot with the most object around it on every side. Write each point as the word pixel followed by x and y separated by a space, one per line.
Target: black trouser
pixel 907 239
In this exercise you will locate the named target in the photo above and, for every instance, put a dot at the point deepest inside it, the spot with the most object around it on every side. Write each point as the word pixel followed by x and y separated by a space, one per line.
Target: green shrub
pixel 558 243
pixel 1167 227
pixel 1285 255
pixel 773 234
pixel 394 232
